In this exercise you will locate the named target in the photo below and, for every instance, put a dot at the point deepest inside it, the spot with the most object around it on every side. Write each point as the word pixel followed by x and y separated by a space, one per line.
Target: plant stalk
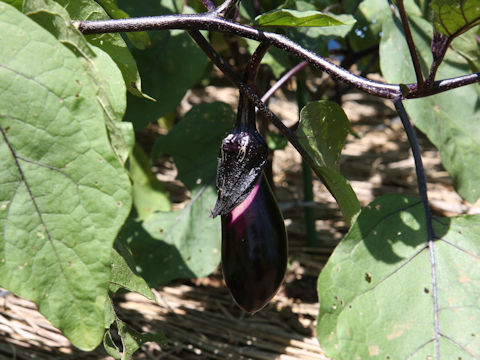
pixel 307 178
pixel 422 188
pixel 213 22
pixel 411 44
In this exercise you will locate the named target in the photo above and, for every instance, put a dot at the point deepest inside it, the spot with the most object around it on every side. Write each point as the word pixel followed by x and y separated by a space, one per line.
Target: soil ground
pixel 198 316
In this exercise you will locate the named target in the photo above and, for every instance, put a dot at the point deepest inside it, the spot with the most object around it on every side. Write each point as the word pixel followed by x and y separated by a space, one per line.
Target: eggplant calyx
pixel 243 155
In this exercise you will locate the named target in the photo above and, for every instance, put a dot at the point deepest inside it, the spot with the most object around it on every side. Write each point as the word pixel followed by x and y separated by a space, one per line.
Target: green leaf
pixel 376 291
pixel 124 274
pixel 395 65
pixel 111 43
pixel 294 18
pixel 110 347
pixel 200 132
pixel 139 39
pixel 453 17
pixel 111 87
pixel 317 38
pixel 370 16
pixel 322 131
pixel 180 244
pixel 162 78
pixel 109 313
pixel 170 67
pixel 132 339
pixel 63 194
pixel 149 194
pixel 276 141
pixel 55 19
pixel 467 46
pixel 450 119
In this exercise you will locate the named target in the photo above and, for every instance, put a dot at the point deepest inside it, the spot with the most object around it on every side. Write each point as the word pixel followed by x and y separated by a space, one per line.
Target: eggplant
pixel 254 248
pixel 254 240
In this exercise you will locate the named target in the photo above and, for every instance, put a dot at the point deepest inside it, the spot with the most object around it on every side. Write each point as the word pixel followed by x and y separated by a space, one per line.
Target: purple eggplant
pixel 254 248
pixel 254 240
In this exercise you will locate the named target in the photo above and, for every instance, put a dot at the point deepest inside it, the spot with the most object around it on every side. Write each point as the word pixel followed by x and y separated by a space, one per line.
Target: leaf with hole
pixel 322 130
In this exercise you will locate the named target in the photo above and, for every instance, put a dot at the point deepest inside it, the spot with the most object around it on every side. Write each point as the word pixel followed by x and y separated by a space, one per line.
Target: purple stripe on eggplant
pixel 254 249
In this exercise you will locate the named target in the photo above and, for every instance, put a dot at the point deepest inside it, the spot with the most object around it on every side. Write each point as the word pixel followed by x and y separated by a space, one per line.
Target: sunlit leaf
pixel 451 119
pixel 293 18
pixel 63 193
pixel 377 290
pixel 453 17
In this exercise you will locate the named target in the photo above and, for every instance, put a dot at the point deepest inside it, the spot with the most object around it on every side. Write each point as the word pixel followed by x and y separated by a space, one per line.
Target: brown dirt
pixel 198 316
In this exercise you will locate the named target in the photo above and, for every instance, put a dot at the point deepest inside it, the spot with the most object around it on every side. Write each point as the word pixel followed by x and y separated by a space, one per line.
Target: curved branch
pixel 282 80
pixel 213 22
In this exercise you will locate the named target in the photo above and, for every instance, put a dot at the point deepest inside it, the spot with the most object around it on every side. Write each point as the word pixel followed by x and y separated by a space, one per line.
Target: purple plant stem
pixel 212 22
pixel 411 44
pixel 422 188
pixel 253 64
pixel 283 79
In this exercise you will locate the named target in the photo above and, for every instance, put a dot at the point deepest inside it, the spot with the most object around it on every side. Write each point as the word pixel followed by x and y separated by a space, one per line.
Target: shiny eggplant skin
pixel 254 248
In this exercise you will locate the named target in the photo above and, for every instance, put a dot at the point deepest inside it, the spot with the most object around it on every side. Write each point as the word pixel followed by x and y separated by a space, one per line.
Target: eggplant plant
pixel 402 284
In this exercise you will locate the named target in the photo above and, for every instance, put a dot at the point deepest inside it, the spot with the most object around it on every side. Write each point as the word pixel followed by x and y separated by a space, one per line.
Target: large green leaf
pixel 111 43
pixel 395 60
pixel 63 194
pixel 180 244
pixel 322 131
pixel 200 132
pixel 377 290
pixel 451 119
pixel 453 17
pixel 171 66
pixel 111 87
